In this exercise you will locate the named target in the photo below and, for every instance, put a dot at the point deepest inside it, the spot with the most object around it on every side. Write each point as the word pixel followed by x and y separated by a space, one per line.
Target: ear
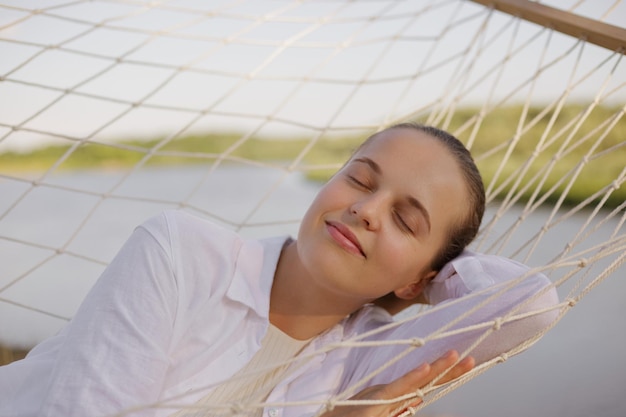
pixel 414 289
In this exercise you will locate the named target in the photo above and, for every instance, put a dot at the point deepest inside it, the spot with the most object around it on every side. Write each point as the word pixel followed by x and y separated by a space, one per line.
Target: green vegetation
pixel 490 145
pixel 595 149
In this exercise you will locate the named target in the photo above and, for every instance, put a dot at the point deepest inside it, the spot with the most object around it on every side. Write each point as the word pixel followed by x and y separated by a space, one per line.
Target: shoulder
pixel 177 222
pixel 178 231
pixel 197 249
pixel 473 272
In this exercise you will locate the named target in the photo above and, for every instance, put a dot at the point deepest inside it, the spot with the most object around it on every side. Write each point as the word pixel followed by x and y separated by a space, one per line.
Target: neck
pixel 298 306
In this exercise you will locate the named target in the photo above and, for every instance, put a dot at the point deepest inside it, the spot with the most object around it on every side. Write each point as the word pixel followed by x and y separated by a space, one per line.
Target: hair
pixel 461 234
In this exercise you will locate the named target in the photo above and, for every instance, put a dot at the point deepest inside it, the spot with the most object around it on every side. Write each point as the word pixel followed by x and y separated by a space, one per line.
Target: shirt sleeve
pixel 484 304
pixel 114 354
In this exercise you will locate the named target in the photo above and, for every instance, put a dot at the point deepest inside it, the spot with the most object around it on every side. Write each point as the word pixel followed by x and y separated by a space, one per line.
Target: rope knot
pixel 330 405
pixel 614 185
pixel 417 342
pixel 411 411
pixel 583 263
pixel 503 357
pixel 497 323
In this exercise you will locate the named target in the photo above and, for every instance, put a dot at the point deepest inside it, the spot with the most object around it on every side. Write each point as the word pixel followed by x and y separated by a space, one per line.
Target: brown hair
pixel 460 235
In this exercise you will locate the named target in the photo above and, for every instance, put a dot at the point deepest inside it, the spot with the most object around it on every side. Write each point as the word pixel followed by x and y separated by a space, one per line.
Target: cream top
pixel 254 382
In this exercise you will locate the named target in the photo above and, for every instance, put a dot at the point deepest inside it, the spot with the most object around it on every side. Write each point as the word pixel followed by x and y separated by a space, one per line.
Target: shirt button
pixel 272 412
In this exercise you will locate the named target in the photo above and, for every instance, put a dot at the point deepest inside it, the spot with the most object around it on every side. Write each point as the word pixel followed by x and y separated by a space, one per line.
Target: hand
pixel 406 384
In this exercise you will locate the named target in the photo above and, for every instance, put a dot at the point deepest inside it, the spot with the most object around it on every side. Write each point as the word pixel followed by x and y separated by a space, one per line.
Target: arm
pixel 473 289
pixel 114 352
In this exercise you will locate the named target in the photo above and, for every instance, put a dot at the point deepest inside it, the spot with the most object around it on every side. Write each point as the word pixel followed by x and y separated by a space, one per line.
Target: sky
pixel 107 70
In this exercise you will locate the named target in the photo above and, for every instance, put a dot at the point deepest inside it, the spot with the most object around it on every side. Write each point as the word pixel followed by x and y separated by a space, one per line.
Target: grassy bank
pixel 497 128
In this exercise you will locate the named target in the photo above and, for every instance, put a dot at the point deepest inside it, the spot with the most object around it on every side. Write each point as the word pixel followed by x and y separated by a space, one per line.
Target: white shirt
pixel 253 383
pixel 184 306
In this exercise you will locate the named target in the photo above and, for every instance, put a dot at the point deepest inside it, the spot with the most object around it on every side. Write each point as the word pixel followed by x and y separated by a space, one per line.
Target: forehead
pixel 416 164
pixel 417 149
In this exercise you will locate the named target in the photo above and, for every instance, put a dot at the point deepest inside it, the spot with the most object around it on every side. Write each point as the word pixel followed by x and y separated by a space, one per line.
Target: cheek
pixel 329 197
pixel 396 255
pixel 404 258
pixel 326 200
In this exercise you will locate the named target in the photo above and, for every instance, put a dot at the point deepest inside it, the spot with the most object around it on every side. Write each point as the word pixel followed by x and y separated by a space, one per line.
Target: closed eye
pixel 358 182
pixel 403 224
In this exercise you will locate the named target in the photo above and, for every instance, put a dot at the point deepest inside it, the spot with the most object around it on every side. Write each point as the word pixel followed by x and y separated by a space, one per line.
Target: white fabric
pixel 185 305
pixel 488 287
pixel 258 377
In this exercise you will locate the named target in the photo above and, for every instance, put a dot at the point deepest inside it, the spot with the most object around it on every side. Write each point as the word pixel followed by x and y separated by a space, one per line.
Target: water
pixel 576 370
pixel 90 229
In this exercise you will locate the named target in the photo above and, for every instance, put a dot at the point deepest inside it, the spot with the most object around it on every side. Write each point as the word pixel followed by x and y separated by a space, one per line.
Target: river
pixel 577 370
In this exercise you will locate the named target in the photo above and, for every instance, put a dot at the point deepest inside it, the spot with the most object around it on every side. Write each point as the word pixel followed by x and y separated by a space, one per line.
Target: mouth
pixel 345 238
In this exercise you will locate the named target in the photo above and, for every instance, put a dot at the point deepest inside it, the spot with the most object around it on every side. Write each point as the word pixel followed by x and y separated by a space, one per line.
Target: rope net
pixel 111 111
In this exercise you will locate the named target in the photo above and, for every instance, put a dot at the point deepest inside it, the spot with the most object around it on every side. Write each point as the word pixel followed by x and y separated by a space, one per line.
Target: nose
pixel 367 211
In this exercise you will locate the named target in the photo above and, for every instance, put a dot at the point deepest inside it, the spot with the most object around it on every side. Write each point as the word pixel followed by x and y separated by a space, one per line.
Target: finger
pixel 419 377
pixel 445 361
pixel 434 371
pixel 408 383
pixel 435 374
pixel 461 368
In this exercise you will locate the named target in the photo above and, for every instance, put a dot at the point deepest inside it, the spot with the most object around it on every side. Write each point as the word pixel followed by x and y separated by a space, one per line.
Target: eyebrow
pixel 375 167
pixel 414 202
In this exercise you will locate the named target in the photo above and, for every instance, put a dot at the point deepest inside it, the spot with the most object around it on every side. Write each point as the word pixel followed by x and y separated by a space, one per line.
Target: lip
pixel 345 238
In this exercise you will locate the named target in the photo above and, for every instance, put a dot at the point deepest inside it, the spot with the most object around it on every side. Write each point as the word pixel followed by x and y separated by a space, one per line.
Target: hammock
pixel 131 93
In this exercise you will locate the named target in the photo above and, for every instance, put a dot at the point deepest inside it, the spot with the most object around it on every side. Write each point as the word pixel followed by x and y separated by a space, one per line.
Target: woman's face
pixel 376 226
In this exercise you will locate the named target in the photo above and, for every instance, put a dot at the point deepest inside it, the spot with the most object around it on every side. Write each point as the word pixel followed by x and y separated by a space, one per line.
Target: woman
pixel 187 306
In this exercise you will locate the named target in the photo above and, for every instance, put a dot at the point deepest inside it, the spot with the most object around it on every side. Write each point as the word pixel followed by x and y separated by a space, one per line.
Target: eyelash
pixel 359 183
pixel 397 215
pixel 403 224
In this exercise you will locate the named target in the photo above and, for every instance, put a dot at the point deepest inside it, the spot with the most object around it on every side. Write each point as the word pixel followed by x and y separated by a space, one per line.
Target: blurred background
pixel 111 111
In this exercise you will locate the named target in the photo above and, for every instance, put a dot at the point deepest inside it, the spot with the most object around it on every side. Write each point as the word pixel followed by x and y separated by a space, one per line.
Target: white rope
pixel 387 54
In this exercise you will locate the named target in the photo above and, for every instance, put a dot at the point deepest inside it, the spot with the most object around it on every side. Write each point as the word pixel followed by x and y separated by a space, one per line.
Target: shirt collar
pixel 255 265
